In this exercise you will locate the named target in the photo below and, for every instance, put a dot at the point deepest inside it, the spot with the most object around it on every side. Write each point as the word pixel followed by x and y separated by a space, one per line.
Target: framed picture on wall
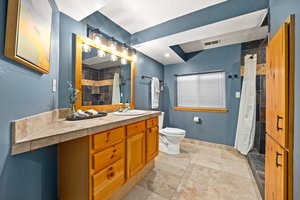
pixel 28 33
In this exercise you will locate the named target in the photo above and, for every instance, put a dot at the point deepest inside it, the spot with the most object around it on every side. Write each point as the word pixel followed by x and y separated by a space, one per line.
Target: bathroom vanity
pixel 96 166
pixel 101 158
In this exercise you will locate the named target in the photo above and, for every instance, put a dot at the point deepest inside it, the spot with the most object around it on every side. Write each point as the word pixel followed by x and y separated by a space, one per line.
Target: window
pixel 205 90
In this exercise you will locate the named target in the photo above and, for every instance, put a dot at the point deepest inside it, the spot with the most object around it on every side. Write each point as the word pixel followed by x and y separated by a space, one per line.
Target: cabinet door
pixel 276 166
pixel 152 143
pixel 135 153
pixel 277 86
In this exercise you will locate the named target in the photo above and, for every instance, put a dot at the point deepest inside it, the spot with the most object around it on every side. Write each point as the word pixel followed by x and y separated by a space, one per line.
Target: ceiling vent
pixel 214 42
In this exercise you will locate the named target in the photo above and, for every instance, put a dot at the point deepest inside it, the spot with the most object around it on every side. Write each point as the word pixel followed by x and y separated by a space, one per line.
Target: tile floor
pixel 198 173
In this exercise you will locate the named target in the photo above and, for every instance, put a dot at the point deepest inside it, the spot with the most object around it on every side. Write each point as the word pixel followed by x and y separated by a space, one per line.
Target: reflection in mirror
pixel 106 79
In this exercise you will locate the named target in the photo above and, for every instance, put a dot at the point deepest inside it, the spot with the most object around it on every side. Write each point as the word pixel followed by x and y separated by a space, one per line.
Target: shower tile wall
pixel 250 48
pixel 94 95
pixel 260 130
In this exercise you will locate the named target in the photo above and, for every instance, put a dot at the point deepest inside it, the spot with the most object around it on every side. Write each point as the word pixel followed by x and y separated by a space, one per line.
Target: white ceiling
pixel 78 9
pixel 137 15
pixel 235 30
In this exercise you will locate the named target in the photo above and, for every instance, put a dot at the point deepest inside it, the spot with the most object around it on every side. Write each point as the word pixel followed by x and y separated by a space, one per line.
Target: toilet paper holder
pixel 197 120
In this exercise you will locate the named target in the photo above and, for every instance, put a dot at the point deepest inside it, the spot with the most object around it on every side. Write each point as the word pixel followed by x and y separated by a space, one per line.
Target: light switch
pixel 237 95
pixel 53 85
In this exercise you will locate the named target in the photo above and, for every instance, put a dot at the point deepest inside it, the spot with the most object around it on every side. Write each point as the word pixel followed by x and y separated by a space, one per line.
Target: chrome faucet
pixel 127 107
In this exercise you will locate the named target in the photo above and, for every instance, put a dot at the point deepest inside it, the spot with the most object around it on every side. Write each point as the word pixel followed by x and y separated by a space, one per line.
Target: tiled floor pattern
pixel 198 173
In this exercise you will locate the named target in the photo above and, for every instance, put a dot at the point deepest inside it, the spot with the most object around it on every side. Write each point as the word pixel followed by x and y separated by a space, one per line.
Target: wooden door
pixel 277 86
pixel 136 153
pixel 152 143
pixel 276 178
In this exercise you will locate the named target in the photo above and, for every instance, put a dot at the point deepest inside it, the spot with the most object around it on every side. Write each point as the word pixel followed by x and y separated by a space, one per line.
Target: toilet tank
pixel 161 120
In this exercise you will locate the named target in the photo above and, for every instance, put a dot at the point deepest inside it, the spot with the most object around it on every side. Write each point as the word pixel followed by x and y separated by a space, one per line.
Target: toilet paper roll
pixel 196 119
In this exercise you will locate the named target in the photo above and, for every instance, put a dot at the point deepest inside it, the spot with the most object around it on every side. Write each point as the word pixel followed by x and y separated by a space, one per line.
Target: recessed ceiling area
pixel 231 31
pixel 137 15
pixel 247 35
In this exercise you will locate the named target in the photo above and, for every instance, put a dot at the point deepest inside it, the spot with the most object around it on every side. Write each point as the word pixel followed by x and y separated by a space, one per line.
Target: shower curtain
pixel 245 132
pixel 116 89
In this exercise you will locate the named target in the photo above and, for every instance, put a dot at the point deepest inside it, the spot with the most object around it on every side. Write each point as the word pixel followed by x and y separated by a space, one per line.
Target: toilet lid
pixel 173 131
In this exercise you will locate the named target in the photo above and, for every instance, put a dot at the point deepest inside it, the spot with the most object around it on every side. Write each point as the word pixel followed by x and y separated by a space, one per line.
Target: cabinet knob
pixel 110 173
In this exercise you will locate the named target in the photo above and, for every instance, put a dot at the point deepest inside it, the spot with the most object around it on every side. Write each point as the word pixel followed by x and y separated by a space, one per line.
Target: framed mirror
pixel 104 77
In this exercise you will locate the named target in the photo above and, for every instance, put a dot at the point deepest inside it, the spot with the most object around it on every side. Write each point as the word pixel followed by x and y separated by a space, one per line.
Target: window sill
pixel 216 110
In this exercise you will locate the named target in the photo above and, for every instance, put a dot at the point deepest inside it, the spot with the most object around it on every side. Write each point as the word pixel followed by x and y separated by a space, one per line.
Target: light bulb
pixel 124 51
pixel 113 45
pixel 134 57
pixel 123 61
pixel 113 57
pixel 86 48
pixel 97 41
pixel 101 53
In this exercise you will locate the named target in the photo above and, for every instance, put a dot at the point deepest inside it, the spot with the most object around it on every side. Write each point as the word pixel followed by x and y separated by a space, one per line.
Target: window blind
pixel 206 90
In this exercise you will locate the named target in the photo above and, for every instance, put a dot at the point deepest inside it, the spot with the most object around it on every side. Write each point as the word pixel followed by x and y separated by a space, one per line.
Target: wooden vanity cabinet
pixel 152 139
pixel 96 166
pixel 136 151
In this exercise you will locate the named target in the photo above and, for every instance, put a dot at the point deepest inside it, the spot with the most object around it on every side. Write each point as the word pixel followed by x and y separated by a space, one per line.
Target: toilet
pixel 169 138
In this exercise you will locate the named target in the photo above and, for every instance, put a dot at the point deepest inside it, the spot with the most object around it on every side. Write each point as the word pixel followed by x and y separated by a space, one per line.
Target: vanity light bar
pixel 109 45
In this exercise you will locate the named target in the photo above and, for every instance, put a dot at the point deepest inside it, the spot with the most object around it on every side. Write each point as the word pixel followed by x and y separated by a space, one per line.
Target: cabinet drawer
pixel 152 122
pixel 135 128
pixel 108 180
pixel 107 138
pixel 108 156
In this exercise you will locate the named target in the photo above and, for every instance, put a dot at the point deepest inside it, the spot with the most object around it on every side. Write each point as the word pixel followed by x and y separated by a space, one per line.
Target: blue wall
pixel 25 92
pixel 68 27
pixel 216 127
pixel 144 65
pixel 279 12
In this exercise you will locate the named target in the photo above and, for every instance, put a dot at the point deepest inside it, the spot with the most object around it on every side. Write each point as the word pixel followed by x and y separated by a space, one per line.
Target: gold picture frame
pixel 28 33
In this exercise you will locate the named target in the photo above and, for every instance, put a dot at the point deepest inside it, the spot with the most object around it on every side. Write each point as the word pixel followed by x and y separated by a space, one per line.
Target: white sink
pixel 130 113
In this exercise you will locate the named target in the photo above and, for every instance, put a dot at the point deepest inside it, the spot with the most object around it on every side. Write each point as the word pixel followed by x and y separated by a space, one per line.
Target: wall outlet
pixel 237 95
pixel 53 85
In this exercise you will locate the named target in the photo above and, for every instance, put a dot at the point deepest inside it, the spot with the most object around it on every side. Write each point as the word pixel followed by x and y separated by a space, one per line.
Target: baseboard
pixel 209 144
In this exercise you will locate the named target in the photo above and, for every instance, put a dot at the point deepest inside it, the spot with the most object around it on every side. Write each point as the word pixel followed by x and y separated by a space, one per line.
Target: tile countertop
pixel 41 130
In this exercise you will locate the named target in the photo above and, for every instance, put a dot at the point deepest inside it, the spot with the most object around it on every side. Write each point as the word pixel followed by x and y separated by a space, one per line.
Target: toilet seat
pixel 175 132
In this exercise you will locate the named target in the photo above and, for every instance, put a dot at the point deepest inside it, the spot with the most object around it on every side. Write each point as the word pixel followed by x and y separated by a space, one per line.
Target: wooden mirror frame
pixel 78 75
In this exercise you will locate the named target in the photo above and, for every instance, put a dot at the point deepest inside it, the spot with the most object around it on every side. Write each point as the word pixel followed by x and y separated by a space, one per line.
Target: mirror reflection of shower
pixel 104 79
